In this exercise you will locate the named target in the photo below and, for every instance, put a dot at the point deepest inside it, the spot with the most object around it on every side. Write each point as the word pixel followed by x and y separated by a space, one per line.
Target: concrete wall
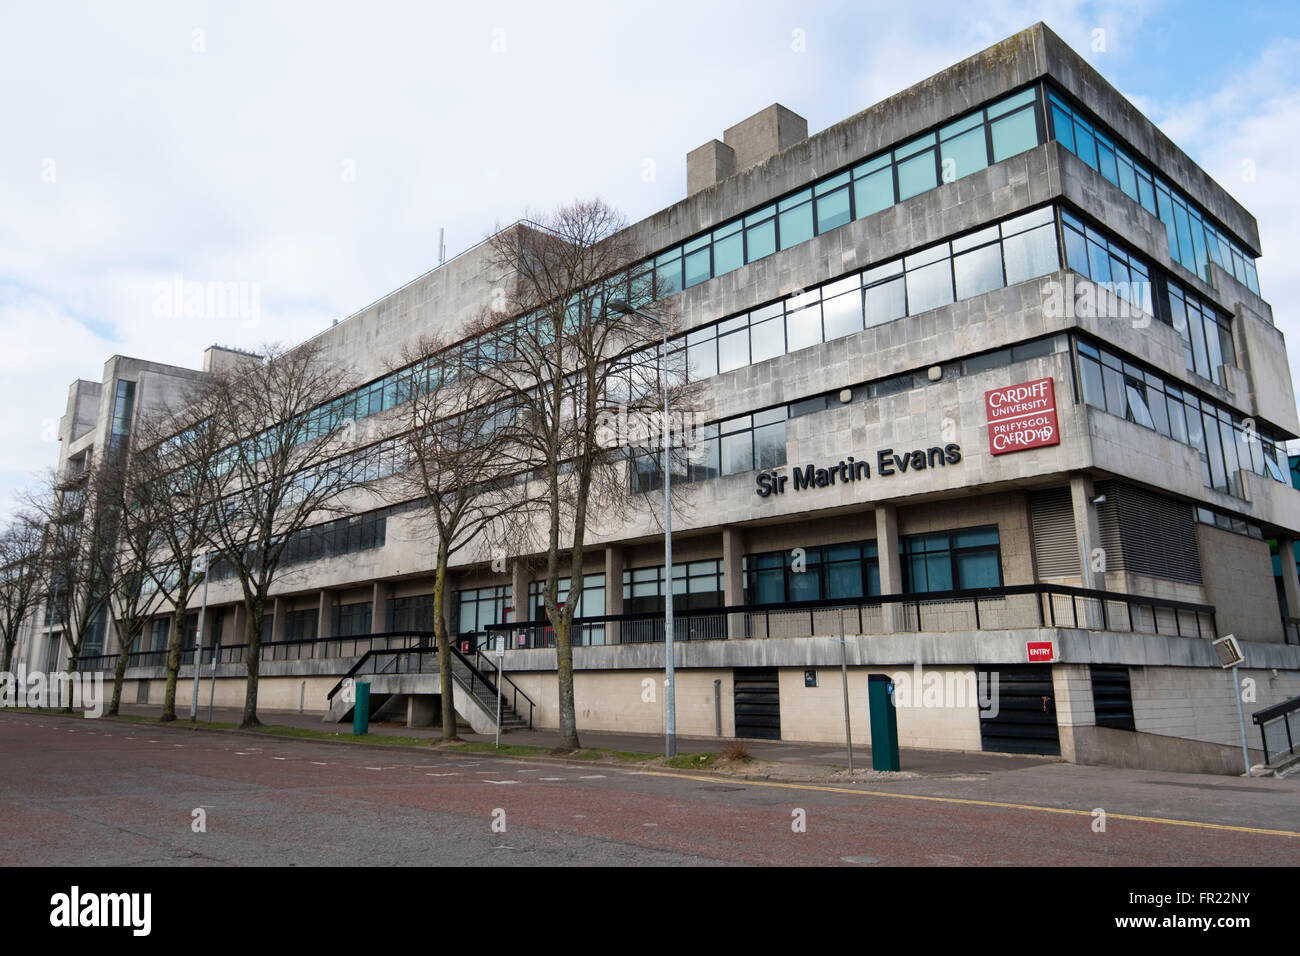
pixel 1238 576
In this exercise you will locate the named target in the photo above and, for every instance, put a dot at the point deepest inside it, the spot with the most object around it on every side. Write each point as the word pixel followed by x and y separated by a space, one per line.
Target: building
pixel 987 366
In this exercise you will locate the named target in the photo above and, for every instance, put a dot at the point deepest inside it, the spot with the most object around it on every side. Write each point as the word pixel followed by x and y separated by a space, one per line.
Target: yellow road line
pixel 984 803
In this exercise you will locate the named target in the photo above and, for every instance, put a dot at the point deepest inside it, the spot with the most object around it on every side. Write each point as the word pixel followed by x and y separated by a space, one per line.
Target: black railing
pixel 1009 607
pixel 1003 608
pixel 405 652
pixel 1277 719
pixel 516 692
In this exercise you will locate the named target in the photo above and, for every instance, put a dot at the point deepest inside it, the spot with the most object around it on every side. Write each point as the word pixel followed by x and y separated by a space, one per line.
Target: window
pixel 952 560
pixel 696 585
pixel 1193 241
pixel 352 620
pixel 730 447
pixel 410 613
pixel 301 625
pixel 1225 445
pixel 476 608
pixel 822 573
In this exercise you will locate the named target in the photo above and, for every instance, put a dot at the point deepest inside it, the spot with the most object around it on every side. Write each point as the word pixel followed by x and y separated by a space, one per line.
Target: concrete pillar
pixel 1072 690
pixel 325 616
pixel 1088 532
pixel 1290 579
pixel 422 710
pixel 733 578
pixel 1086 529
pixel 241 624
pixel 613 590
pixel 379 596
pixel 890 565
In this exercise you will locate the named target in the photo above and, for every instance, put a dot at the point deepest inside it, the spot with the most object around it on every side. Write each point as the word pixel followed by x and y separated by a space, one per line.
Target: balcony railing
pixel 1279 729
pixel 1004 608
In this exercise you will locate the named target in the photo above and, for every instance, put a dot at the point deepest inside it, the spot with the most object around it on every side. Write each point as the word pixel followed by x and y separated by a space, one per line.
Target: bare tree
pixel 175 453
pixel 461 462
pixel 552 341
pixel 125 567
pixel 287 460
pixel 80 529
pixel 20 578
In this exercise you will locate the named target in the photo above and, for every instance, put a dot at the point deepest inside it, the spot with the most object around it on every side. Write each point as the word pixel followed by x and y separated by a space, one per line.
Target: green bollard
pixel 884 723
pixel 361 709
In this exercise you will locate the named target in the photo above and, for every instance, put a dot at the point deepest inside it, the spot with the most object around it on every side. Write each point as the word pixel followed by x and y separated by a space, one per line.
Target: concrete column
pixel 890 565
pixel 379 596
pixel 613 590
pixel 1290 579
pixel 241 624
pixel 1086 530
pixel 1072 690
pixel 325 616
pixel 733 578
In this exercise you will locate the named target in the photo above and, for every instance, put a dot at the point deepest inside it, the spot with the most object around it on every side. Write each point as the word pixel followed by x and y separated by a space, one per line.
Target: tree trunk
pixel 72 675
pixel 564 678
pixel 173 665
pixel 9 657
pixel 252 658
pixel 445 680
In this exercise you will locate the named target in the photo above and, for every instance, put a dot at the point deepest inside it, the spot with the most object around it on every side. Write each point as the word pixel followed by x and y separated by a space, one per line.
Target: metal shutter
pixel 1056 547
pixel 1147 533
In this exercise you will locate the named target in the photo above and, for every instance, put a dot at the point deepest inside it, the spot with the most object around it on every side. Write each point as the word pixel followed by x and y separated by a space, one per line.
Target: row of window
pixel 1193 240
pixel 1222 438
pixel 957 149
pixel 729 447
pixel 1207 336
pixel 1019 248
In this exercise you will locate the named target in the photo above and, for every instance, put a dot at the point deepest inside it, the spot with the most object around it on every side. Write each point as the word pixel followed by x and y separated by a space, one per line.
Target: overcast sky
pixel 315 149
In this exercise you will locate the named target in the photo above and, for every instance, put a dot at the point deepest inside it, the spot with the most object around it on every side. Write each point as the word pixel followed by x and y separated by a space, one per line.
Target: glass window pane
pixel 767 340
pixel 1063 127
pixel 833 210
pixel 842 315
pixel 697 267
pixel 733 350
pixel 803 328
pixel 737 453
pixel 769 443
pixel 668 278
pixel 977 271
pixel 1030 254
pixel 702 360
pixel 916 175
pixel 728 254
pixel 874 192
pixel 929 287
pixel 760 240
pixel 979 570
pixel 805 585
pixel 886 302
pixel 964 154
pixel 796 225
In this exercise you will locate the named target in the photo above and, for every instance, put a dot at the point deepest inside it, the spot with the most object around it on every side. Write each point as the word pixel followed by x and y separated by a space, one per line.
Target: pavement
pixel 78 792
pixel 805 756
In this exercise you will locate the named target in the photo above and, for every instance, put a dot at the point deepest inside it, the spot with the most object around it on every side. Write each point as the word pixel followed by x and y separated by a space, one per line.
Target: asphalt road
pixel 84 793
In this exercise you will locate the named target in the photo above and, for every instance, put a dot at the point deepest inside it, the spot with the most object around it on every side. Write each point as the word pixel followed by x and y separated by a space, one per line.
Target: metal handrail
pixel 911 602
pixel 1268 715
pixel 517 690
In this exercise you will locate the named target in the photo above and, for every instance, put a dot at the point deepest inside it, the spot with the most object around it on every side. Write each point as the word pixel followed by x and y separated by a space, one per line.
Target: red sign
pixel 1021 417
pixel 1039 651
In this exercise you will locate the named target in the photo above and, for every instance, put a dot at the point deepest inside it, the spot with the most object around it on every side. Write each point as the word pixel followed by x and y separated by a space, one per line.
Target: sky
pixel 309 153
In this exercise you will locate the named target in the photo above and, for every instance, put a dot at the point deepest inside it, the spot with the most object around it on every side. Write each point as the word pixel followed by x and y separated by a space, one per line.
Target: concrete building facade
pixel 987 374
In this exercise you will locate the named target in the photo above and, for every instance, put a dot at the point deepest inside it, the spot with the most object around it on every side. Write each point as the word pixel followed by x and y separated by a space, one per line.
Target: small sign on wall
pixel 1022 416
pixel 809 678
pixel 1040 652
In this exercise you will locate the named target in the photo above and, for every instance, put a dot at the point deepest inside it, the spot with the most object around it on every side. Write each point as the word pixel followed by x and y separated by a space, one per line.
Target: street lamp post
pixel 198 639
pixel 670 700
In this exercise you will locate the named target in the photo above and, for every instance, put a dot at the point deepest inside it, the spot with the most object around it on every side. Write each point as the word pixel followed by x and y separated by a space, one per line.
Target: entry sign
pixel 1022 416
pixel 1039 651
